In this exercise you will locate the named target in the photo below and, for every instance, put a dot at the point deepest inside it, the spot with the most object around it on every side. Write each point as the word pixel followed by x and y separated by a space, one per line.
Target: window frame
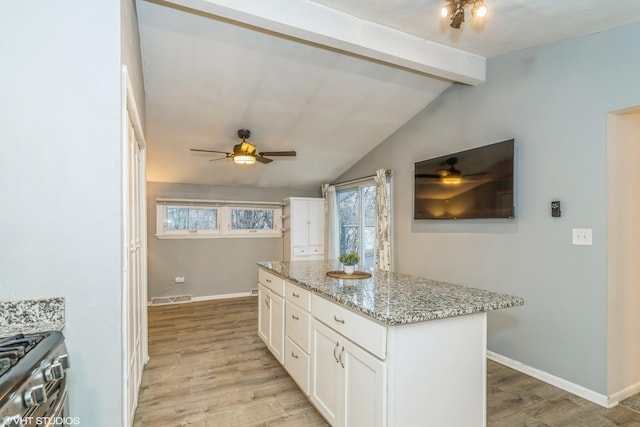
pixel 359 186
pixel 224 229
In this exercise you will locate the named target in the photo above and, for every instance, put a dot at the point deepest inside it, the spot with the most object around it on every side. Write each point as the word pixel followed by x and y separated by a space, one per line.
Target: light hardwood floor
pixel 209 368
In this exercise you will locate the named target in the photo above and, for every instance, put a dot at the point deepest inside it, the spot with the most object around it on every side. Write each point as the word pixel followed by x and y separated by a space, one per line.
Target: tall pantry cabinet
pixel 303 223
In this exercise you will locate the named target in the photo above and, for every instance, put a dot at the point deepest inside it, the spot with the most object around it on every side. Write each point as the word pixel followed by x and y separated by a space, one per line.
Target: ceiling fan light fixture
pixel 454 9
pixel 479 9
pixel 446 10
pixel 244 159
pixel 451 180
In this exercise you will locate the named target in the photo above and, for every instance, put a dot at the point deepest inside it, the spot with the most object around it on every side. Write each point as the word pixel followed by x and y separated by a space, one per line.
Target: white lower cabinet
pixel 276 338
pixel 348 385
pixel 271 321
pixel 296 362
pixel 264 313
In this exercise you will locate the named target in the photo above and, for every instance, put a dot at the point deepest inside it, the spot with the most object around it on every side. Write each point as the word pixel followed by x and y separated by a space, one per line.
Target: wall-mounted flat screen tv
pixel 476 183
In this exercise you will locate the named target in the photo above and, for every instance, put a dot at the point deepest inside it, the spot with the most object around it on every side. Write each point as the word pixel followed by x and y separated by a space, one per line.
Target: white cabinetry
pixel 297 326
pixel 359 372
pixel 271 311
pixel 303 228
pixel 348 384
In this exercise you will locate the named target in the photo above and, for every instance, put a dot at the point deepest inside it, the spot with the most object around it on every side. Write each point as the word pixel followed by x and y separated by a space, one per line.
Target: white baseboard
pixel 624 393
pixel 223 296
pixel 208 298
pixel 578 390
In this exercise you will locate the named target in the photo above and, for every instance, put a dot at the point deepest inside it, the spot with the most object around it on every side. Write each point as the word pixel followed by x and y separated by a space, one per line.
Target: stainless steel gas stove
pixel 33 381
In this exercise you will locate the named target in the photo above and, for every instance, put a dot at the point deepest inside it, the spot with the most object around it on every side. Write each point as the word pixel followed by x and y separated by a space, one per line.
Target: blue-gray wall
pixel 210 266
pixel 553 100
pixel 61 182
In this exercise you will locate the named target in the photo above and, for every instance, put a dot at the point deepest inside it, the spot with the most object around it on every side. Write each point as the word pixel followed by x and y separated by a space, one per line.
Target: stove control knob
pixel 63 360
pixel 54 372
pixel 35 396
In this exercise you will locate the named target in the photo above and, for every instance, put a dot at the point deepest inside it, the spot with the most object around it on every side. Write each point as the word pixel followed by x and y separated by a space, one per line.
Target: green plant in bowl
pixel 350 258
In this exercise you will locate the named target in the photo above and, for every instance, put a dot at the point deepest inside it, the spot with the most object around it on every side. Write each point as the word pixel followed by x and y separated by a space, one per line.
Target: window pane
pixel 348 212
pixel 192 218
pixel 177 219
pixel 252 219
pixel 369 206
pixel 369 246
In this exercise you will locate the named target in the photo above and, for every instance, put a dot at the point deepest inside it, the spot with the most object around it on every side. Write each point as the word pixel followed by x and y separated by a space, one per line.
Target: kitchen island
pixel 390 350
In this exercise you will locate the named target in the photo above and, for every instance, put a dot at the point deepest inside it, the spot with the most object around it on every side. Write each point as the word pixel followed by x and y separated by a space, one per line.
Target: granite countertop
pixel 30 316
pixel 389 297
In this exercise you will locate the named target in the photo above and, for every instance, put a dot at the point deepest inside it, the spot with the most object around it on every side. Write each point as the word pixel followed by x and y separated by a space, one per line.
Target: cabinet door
pixel 316 222
pixel 299 223
pixel 326 375
pixel 364 402
pixel 276 332
pixel 264 314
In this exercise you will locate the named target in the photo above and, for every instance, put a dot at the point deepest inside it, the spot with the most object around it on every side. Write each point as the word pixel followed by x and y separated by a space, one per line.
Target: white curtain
pixel 383 223
pixel 332 227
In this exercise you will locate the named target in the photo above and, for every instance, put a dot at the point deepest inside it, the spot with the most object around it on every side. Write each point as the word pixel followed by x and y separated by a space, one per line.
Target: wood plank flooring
pixel 209 368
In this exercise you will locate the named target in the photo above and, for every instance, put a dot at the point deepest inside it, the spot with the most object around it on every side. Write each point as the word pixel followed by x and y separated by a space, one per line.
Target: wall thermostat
pixel 555 209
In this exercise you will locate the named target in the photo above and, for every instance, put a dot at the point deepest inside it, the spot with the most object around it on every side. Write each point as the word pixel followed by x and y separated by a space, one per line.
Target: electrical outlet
pixel 582 236
pixel 179 279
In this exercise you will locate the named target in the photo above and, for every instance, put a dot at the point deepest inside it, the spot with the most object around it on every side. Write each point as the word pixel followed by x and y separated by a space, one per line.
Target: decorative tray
pixel 354 275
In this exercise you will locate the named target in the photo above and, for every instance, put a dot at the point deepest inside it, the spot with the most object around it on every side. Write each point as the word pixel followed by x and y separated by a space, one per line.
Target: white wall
pixel 210 266
pixel 623 251
pixel 60 179
pixel 554 101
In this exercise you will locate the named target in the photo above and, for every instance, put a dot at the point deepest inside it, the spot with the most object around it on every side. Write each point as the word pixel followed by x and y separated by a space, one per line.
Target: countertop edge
pixel 28 316
pixel 398 321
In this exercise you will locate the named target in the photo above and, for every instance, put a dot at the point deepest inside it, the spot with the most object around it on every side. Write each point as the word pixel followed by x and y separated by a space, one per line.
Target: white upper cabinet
pixel 303 228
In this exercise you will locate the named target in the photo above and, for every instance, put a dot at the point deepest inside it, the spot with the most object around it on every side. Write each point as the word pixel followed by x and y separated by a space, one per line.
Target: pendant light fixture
pixel 454 9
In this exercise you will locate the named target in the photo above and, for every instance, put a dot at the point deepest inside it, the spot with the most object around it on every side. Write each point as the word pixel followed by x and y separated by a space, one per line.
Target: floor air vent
pixel 254 292
pixel 171 299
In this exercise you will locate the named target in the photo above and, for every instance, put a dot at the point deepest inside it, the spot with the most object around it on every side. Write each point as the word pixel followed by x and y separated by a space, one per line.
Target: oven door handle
pixel 60 401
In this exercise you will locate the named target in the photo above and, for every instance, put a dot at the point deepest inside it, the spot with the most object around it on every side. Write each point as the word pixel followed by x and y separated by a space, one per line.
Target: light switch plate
pixel 582 236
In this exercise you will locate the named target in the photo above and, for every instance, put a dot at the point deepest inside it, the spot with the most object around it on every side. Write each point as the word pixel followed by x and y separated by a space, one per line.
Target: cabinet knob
pixel 294 317
pixel 295 295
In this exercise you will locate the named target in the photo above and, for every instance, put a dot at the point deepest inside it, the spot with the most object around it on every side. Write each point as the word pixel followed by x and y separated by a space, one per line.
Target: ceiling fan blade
pixel 278 153
pixel 476 174
pixel 221 158
pixel 210 151
pixel 261 159
pixel 427 175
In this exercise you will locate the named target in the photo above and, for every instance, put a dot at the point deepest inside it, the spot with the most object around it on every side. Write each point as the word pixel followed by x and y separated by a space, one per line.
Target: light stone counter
pixel 31 316
pixel 391 298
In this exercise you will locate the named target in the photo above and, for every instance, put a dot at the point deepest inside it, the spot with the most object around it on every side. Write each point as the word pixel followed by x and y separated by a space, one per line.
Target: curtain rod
pixel 364 178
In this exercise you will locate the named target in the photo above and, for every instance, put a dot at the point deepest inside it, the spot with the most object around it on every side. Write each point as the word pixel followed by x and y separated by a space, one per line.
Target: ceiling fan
pixel 450 175
pixel 245 153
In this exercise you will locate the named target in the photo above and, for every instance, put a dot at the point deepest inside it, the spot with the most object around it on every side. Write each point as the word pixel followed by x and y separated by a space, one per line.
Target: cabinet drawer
pixel 296 362
pixel 271 281
pixel 366 333
pixel 298 324
pixel 315 251
pixel 298 296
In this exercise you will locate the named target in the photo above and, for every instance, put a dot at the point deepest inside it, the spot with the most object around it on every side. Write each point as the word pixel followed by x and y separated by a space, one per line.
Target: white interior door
pixel 134 292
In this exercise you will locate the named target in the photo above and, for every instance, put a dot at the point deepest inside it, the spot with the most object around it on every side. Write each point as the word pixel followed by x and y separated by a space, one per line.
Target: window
pixel 252 219
pixel 182 218
pixel 357 221
pixel 179 220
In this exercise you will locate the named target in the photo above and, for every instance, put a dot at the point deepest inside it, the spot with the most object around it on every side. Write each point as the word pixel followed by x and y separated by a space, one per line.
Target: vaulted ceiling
pixel 330 79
